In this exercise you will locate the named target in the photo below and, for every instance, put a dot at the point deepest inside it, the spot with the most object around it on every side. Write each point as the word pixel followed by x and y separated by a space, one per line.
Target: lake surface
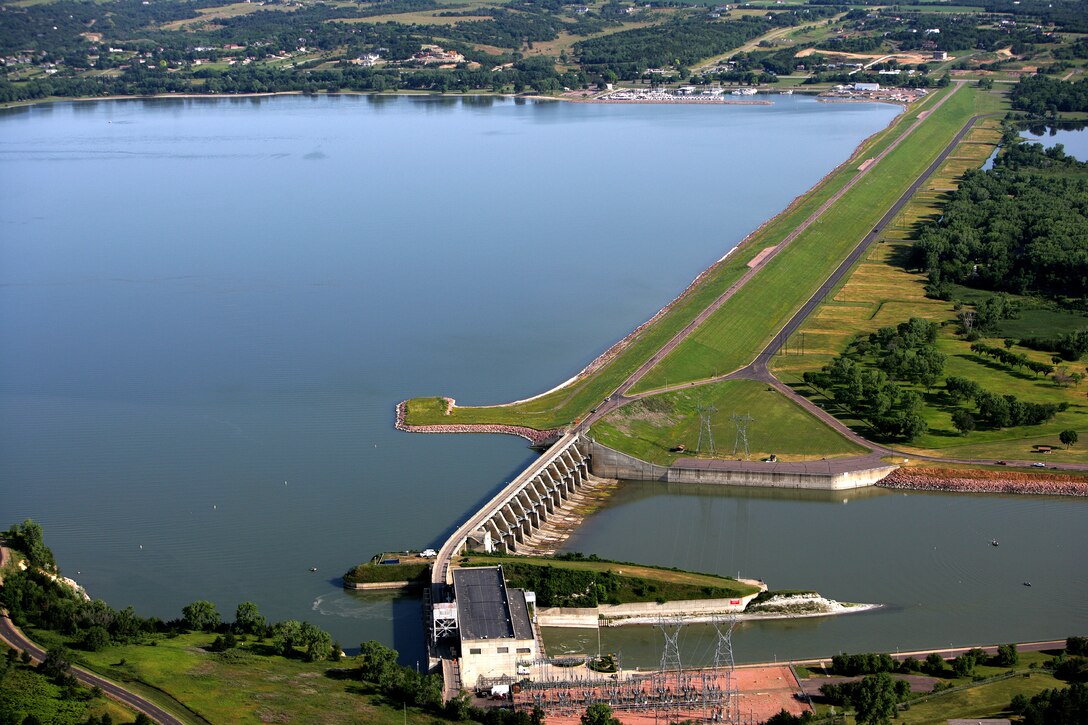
pixel 208 309
pixel 1074 137
pixel 926 557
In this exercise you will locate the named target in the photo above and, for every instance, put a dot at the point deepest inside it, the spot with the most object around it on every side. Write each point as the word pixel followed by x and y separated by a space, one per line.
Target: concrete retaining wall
pixel 610 463
pixel 607 614
pixel 374 586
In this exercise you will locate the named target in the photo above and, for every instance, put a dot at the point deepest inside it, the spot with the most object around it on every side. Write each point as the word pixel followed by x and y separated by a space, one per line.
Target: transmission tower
pixel 723 652
pixel 704 428
pixel 670 656
pixel 742 422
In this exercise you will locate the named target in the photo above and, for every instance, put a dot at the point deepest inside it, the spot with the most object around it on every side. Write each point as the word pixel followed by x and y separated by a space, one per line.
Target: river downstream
pixel 209 308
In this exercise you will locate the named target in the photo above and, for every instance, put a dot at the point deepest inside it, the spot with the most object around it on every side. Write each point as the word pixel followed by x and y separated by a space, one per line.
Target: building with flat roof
pixel 494 625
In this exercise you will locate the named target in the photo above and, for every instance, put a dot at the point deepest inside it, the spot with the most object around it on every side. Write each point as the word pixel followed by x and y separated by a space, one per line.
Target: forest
pixel 1013 228
pixel 1041 95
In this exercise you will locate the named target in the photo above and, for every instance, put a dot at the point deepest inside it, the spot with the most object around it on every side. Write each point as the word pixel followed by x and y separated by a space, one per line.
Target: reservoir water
pixel 1072 136
pixel 208 309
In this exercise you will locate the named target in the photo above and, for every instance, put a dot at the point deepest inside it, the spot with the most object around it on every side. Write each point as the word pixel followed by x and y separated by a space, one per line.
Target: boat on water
pixel 994 543
pixel 744 92
pixel 785 93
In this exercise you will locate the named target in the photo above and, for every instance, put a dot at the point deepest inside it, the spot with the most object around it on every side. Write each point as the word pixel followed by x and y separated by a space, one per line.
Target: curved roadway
pixel 15 638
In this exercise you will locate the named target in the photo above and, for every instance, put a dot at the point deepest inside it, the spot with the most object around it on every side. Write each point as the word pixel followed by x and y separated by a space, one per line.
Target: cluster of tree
pixel 48 693
pixel 874 697
pixel 1042 95
pixel 1069 668
pixel 377 665
pixel 1068 345
pixel 1010 231
pixel 867 663
pixel 27 539
pixel 681 42
pixel 864 378
pixel 1078 49
pixel 995 410
pixel 906 352
pixel 34 597
pixel 903 80
pixel 1007 357
pixel 984 316
pixel 1066 14
pixel 1064 706
pixel 536 74
pixel 556 587
pixel 962 32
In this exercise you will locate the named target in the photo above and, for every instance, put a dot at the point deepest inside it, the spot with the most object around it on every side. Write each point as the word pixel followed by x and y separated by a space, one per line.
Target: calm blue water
pixel 208 310
pixel 925 556
pixel 1075 140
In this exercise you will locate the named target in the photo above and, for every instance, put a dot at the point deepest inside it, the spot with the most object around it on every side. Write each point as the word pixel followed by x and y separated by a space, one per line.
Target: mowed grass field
pixel 735 334
pixel 563 406
pixel 263 688
pixel 651 427
pixel 881 292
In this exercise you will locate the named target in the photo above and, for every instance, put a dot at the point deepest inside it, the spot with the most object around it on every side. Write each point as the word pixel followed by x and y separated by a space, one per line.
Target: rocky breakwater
pixel 534 436
pixel 986 481
pixel 799 604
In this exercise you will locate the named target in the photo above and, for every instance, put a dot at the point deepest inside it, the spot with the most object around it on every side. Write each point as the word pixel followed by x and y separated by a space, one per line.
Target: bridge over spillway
pixel 504 522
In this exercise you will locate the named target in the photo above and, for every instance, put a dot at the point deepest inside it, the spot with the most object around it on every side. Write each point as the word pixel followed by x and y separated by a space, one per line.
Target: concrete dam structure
pixel 522 506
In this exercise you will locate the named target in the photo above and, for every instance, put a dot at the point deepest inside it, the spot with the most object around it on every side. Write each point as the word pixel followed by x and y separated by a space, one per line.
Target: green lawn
pixel 650 427
pixel 262 688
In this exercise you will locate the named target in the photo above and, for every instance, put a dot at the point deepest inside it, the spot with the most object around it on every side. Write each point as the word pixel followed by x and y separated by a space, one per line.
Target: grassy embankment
pixel 264 687
pixel 561 407
pixel 635 582
pixel 652 427
pixel 881 292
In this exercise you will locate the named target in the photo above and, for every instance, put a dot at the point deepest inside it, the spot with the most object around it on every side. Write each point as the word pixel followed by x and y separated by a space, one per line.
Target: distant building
pixel 493 623
pixel 940 55
pixel 866 86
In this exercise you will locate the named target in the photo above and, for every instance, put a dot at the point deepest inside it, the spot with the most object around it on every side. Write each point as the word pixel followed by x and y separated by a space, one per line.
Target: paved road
pixel 15 638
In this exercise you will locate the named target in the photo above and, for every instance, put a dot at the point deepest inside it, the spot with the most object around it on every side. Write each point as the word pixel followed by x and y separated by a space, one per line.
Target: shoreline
pixel 933 478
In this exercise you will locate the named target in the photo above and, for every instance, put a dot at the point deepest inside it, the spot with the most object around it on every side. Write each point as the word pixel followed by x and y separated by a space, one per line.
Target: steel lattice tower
pixel 704 428
pixel 742 422
pixel 723 652
pixel 670 656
